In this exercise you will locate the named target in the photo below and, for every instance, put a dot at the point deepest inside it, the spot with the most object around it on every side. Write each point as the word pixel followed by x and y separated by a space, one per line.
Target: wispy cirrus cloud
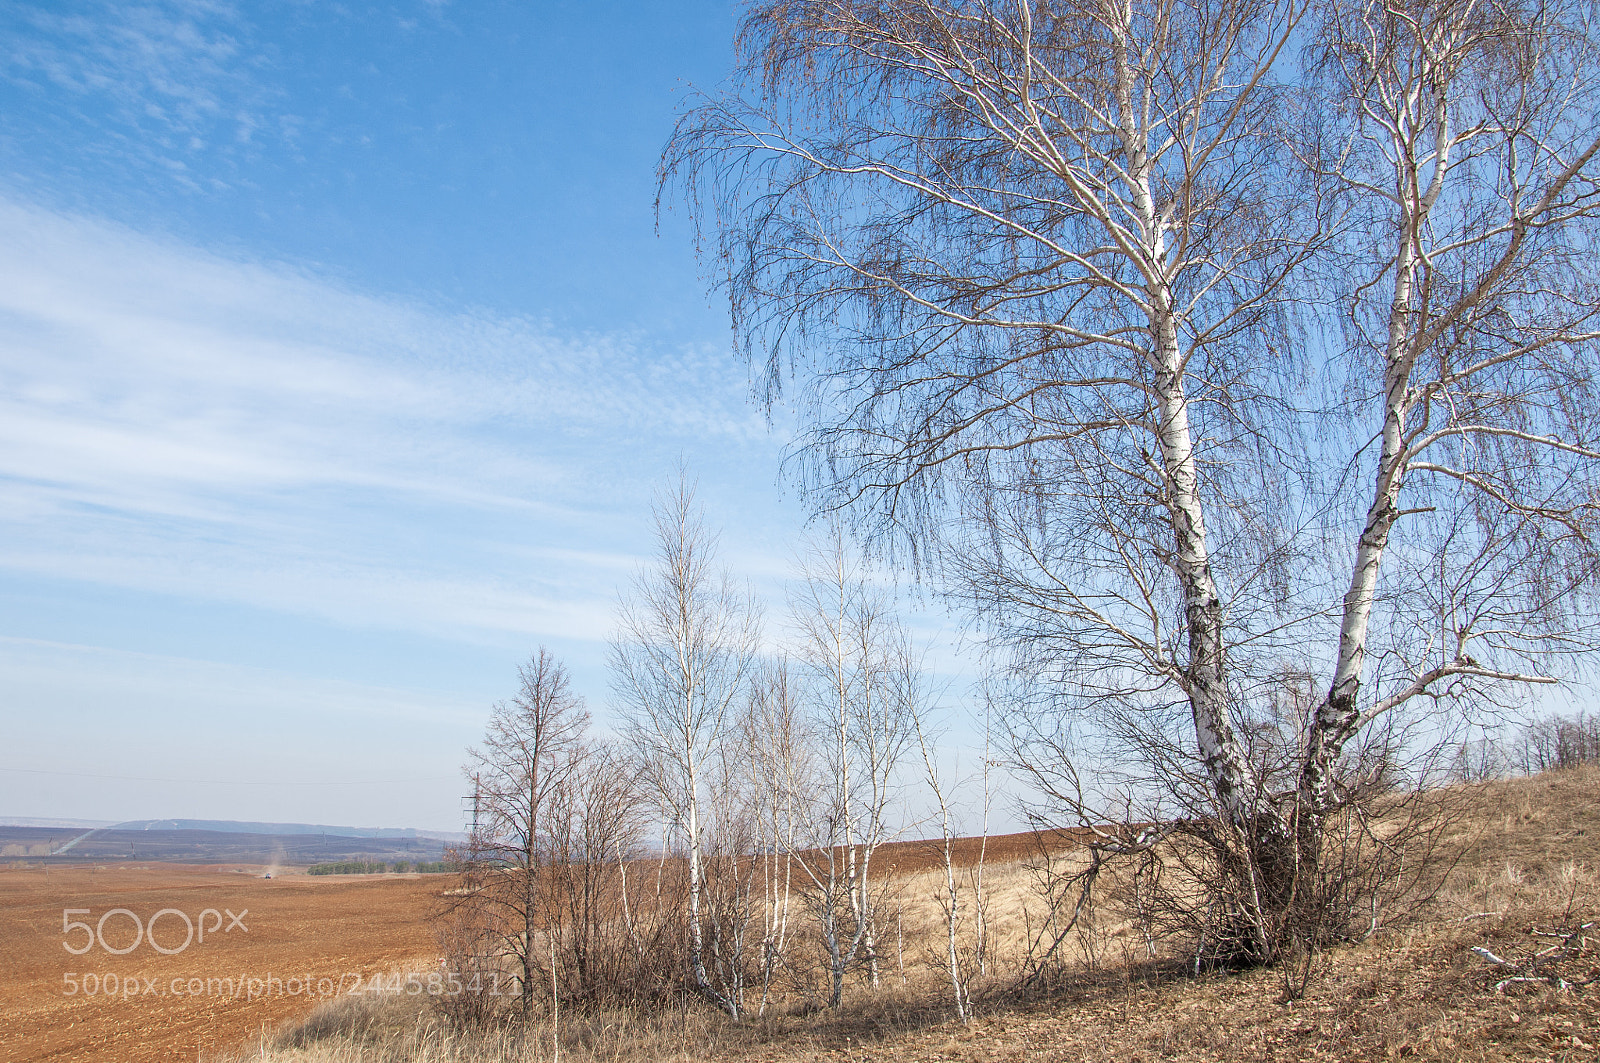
pixel 171 419
pixel 162 82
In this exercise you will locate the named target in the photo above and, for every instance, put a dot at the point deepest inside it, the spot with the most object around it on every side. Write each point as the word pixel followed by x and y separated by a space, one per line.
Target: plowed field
pixel 299 939
pixel 272 948
pixel 909 857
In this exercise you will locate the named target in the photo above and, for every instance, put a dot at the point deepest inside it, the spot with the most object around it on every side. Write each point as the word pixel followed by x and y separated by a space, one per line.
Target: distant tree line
pixel 399 867
pixel 1555 742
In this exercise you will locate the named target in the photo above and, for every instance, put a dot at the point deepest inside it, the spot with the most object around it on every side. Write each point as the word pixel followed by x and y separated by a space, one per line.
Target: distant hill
pixel 194 846
pixel 35 821
pixel 233 826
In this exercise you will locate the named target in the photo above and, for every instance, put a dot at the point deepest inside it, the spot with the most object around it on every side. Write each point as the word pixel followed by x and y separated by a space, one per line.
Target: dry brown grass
pixel 1529 854
pixel 402 1029
pixel 1527 843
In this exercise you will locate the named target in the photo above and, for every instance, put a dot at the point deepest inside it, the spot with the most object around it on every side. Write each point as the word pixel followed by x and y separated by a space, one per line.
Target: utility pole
pixel 476 797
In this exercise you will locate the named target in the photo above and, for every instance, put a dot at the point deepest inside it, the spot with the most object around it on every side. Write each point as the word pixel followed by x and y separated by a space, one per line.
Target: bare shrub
pixel 1167 871
pixel 595 932
pixel 472 958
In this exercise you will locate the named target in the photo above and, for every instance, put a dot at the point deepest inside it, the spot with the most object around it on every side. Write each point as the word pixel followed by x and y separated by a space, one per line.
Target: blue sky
pixel 339 357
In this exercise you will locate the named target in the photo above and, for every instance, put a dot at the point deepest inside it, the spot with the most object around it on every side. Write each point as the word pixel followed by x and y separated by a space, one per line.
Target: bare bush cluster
pixel 723 845
pixel 544 904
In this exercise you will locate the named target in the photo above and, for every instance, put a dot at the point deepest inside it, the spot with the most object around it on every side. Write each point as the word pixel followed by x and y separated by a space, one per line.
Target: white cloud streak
pixel 173 420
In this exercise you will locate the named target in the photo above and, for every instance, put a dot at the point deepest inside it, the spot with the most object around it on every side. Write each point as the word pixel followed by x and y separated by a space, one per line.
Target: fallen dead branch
pixel 1556 965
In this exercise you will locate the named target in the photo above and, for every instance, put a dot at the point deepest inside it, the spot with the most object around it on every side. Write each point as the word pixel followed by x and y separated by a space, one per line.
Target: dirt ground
pixel 303 937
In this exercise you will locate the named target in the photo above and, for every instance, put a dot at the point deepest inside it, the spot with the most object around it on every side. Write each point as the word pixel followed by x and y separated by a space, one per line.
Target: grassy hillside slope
pixel 1527 858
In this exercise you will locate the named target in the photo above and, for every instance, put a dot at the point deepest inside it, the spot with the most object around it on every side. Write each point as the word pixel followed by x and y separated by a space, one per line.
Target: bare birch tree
pixel 848 641
pixel 1469 149
pixel 686 643
pixel 975 874
pixel 779 744
pixel 950 903
pixel 1054 279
